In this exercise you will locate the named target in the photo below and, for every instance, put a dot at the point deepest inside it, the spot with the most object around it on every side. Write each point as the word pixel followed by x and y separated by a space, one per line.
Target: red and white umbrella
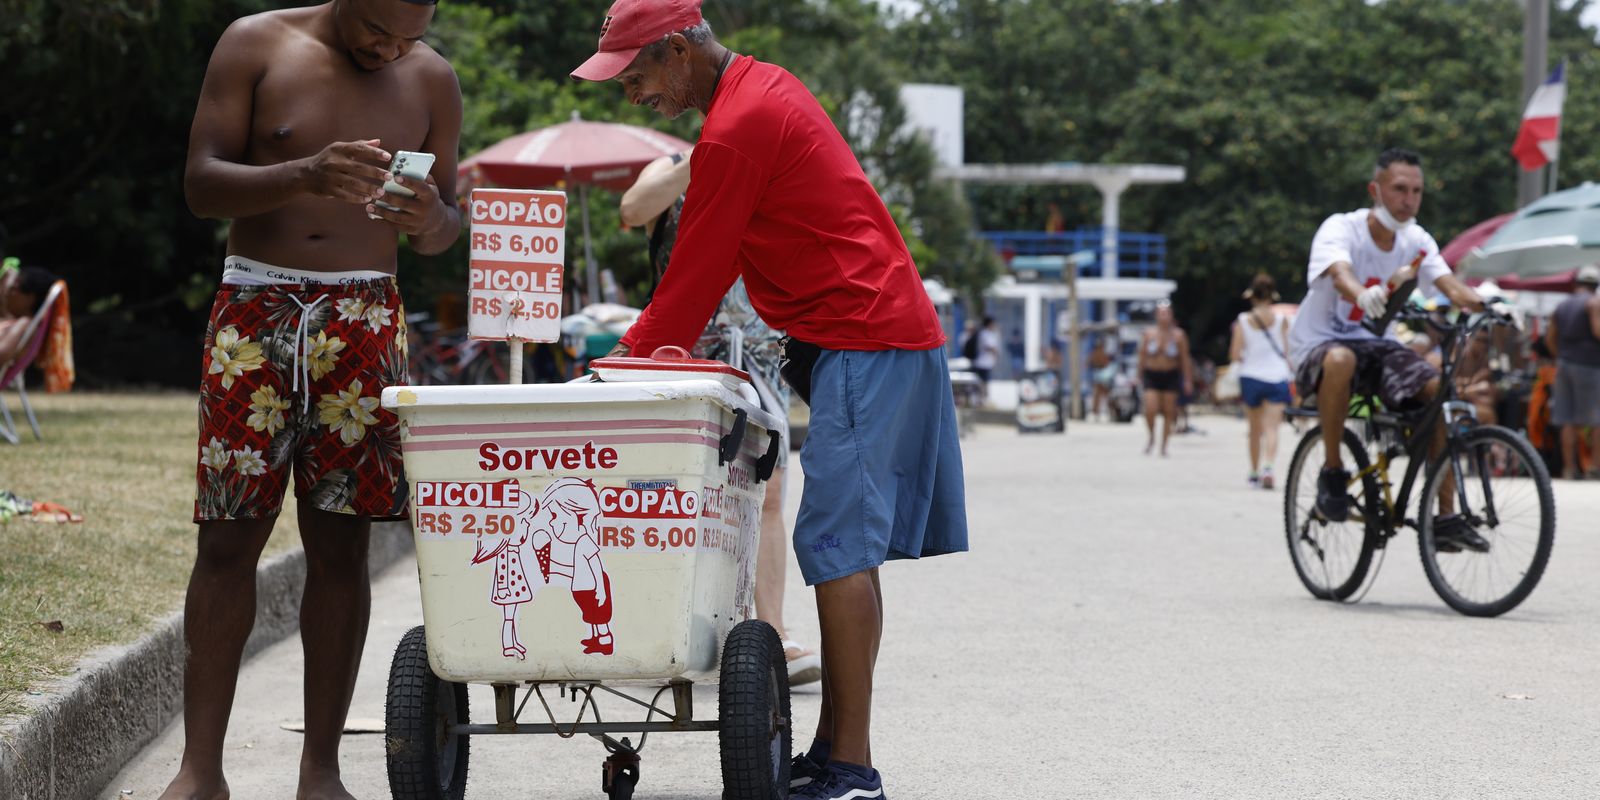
pixel 1472 238
pixel 575 153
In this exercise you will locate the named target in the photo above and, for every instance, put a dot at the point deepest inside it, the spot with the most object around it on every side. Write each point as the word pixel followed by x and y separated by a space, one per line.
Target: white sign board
pixel 519 247
pixel 938 111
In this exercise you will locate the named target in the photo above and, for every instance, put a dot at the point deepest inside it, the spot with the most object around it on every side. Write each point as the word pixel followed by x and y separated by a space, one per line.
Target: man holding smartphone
pixel 777 197
pixel 298 116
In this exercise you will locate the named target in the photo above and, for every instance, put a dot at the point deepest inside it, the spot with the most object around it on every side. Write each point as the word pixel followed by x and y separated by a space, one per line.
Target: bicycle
pixel 449 358
pixel 1501 488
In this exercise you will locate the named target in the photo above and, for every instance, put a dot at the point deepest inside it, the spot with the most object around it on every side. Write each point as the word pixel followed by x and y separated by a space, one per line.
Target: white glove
pixel 1374 300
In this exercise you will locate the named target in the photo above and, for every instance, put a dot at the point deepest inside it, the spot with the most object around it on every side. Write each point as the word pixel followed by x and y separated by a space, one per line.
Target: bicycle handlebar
pixel 1400 307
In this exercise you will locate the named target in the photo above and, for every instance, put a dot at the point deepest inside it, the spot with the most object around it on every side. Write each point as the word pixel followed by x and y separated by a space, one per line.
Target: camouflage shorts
pixel 1384 367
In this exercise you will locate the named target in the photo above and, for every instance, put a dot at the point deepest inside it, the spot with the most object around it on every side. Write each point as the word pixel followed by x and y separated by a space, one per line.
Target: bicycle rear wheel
pixel 1331 558
pixel 1504 493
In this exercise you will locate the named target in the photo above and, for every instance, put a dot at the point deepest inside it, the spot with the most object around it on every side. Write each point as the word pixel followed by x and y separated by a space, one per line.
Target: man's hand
pixel 1374 300
pixel 414 216
pixel 351 172
pixel 620 351
pixel 1510 314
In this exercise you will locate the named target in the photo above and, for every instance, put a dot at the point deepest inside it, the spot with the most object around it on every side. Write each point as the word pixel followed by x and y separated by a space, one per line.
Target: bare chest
pixel 306 101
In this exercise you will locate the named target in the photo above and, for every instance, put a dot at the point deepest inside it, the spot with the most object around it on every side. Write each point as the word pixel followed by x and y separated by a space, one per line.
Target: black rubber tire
pixel 424 762
pixel 1545 497
pixel 1321 585
pixel 621 788
pixel 755 728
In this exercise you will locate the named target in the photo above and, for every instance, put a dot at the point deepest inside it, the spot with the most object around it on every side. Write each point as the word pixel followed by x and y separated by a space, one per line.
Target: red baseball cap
pixel 629 26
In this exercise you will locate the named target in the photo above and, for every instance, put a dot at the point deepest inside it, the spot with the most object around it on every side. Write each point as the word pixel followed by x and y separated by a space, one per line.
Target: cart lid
pixel 591 391
pixel 669 363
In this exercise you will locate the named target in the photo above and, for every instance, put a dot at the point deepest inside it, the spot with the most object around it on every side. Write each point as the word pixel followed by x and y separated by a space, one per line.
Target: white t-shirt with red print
pixel 1325 315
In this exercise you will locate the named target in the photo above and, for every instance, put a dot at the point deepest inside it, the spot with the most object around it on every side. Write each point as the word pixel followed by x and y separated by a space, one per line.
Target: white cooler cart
pixel 587 540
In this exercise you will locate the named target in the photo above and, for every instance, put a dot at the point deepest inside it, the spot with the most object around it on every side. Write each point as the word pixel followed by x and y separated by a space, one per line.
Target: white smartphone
pixel 412 165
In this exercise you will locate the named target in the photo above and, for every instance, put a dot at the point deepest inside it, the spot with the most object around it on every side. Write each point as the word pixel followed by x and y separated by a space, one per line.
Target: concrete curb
pixel 76 738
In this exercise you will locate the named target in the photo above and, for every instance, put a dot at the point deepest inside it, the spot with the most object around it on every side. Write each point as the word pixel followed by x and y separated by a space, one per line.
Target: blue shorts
pixel 882 463
pixel 1254 392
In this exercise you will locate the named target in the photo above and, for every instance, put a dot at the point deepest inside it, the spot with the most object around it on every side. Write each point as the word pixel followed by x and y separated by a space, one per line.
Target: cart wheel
pixel 620 773
pixel 754 730
pixel 622 785
pixel 426 762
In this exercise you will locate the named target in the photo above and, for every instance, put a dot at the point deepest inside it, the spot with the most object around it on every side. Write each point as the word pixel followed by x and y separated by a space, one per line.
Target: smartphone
pixel 412 165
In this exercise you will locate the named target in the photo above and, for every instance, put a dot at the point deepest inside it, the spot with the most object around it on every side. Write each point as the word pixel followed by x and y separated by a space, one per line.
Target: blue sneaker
pixel 803 771
pixel 838 784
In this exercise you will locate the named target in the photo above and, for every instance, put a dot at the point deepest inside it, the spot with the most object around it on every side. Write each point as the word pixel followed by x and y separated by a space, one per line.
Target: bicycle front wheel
pixel 1331 558
pixel 1499 485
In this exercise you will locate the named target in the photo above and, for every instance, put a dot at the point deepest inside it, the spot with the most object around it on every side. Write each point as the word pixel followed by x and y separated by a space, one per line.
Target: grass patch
pixel 126 462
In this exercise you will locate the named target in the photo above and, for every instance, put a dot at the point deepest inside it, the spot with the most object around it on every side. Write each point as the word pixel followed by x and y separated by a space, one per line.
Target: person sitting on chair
pixel 22 294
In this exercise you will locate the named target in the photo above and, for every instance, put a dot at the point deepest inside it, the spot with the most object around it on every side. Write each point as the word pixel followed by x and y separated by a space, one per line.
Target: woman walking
pixel 1260 341
pixel 1165 369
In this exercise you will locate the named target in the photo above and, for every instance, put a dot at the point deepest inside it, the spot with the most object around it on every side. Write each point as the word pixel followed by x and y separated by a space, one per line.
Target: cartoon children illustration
pixel 565 543
pixel 511 588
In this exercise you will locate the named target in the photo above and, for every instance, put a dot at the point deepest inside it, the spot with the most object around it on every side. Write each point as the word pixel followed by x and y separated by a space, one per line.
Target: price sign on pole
pixel 519 246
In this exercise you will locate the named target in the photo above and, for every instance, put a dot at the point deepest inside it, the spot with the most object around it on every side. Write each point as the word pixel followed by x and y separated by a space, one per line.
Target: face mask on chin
pixel 1388 221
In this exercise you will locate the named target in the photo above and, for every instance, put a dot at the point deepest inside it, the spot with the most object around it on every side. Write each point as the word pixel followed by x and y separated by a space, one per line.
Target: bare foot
pixel 190 786
pixel 321 785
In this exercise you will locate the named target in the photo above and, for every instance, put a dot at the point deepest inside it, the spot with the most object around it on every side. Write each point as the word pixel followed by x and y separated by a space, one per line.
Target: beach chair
pixel 11 373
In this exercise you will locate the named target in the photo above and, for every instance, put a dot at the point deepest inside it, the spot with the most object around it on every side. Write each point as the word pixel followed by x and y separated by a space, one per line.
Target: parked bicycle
pixel 1500 487
pixel 448 357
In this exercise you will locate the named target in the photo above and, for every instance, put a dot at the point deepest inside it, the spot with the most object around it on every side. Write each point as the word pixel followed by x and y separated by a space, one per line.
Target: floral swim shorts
pixel 291 379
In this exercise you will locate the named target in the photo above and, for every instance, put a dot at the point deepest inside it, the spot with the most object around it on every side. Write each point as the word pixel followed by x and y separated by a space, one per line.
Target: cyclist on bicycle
pixel 1357 260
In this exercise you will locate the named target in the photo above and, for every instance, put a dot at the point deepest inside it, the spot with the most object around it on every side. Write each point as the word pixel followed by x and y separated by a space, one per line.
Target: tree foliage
pixel 100 95
pixel 1274 109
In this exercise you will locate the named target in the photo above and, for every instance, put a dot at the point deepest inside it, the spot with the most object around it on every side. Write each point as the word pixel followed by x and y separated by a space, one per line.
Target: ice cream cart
pixel 585 541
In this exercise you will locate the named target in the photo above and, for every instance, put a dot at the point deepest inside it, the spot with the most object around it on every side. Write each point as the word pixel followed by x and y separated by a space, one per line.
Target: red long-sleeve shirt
pixel 775 194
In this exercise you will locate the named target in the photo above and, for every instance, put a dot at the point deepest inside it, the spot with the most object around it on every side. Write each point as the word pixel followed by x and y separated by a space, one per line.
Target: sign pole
pixel 591 278
pixel 516 359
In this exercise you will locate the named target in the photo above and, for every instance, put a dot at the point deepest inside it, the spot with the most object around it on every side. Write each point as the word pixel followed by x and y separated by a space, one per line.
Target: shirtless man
pixel 299 114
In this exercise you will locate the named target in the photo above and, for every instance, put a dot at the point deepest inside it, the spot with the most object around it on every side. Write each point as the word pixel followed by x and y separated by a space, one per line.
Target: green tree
pixel 1276 120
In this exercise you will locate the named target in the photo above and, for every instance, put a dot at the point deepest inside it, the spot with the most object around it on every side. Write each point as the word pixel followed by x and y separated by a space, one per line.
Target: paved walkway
pixel 1128 627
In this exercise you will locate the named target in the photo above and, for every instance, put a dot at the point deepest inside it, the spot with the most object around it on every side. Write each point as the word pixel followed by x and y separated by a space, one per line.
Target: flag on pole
pixel 1539 139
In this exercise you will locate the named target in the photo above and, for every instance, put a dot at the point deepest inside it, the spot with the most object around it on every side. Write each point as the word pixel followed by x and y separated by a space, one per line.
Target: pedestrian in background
pixel 1165 370
pixel 1259 354
pixel 1574 338
pixel 988 357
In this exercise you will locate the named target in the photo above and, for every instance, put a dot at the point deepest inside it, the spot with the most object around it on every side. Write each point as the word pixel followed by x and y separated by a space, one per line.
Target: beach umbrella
pixel 1472 238
pixel 1555 234
pixel 579 153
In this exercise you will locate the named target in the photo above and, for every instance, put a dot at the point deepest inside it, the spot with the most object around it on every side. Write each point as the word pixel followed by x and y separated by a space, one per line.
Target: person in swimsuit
pixel 298 114
pixel 1102 374
pixel 1165 370
pixel 22 294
